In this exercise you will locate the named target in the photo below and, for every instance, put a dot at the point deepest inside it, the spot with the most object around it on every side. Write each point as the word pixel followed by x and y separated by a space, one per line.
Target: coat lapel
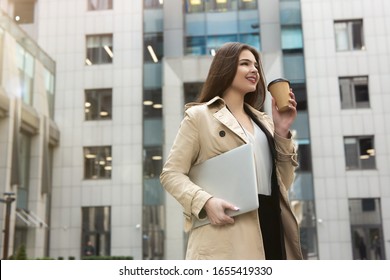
pixel 224 116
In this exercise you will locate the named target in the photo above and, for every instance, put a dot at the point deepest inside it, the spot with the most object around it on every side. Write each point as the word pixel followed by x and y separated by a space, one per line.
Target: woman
pixel 226 116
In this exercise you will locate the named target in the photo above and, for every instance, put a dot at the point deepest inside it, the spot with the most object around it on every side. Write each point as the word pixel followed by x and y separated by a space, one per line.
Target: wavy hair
pixel 222 71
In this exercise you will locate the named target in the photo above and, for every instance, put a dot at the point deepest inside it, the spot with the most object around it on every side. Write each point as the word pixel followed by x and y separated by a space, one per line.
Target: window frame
pixel 349 35
pixel 101 5
pixel 359 162
pixel 348 99
pixel 97 230
pixel 99 94
pixel 98 154
pixel 26 68
pixel 102 54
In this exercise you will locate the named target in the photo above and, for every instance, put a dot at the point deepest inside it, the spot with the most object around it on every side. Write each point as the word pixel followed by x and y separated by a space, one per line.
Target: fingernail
pixel 236 208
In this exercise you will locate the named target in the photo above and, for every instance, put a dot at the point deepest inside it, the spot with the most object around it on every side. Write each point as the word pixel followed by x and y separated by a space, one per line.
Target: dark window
pixel 354 92
pixel 153 47
pixel 152 162
pixel 96 231
pixel 152 103
pixel 153 4
pixel 98 104
pixel 191 91
pixel 99 49
pixel 97 162
pixel 368 204
pixel 359 152
pixel 304 157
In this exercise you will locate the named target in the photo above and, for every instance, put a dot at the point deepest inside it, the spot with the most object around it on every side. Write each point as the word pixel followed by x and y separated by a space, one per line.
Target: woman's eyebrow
pixel 248 60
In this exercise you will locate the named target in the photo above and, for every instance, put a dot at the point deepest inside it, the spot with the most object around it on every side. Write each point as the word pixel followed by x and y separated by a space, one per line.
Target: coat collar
pixel 222 114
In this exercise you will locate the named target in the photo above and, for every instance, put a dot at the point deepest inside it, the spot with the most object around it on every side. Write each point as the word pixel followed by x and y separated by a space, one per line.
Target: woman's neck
pixel 235 102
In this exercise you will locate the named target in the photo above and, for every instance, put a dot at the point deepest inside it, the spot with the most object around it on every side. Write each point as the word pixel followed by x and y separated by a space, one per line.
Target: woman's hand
pixel 215 209
pixel 283 120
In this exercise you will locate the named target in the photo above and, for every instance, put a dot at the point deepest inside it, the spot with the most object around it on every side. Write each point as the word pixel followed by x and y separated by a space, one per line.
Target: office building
pixel 123 72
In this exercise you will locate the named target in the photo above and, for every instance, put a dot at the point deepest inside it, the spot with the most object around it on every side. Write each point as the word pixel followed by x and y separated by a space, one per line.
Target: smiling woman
pixel 227 115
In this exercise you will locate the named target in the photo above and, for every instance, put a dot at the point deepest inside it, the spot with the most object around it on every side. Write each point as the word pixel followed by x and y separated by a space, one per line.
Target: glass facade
pixel 24 158
pixel 50 89
pixel 209 24
pixel 96 229
pixel 153 196
pixel 302 192
pixel 25 63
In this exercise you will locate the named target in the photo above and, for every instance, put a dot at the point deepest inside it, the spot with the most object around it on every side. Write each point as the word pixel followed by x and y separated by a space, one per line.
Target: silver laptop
pixel 230 176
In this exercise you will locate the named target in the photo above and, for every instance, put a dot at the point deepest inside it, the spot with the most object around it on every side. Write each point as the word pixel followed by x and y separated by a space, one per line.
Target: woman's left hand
pixel 283 120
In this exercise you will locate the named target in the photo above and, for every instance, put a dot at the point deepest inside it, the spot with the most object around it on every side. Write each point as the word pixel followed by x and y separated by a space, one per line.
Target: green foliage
pixel 21 253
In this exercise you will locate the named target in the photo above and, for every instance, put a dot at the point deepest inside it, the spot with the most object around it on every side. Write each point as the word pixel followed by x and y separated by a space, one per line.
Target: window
pixel 290 12
pixel 192 91
pixel 300 95
pixel 152 103
pixel 153 47
pixel 96 229
pixel 220 5
pixel 24 11
pixel 98 104
pixel 292 37
pixel 247 4
pixel 25 63
pixel 153 4
pixel 99 49
pixel 24 160
pixel 49 86
pixel 304 157
pixel 354 92
pixel 97 162
pixel 94 5
pixel 294 66
pixel 1 53
pixel 366 229
pixel 349 35
pixel 152 162
pixel 359 152
pixel 199 6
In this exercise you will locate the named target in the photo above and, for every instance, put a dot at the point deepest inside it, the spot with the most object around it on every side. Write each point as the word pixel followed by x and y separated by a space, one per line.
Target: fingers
pixel 292 100
pixel 216 211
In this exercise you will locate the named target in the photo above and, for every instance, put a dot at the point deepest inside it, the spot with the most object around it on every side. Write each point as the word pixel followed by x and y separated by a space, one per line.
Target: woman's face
pixel 247 74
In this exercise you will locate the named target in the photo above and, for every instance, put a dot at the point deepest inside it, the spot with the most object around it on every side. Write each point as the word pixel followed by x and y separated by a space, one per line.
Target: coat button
pixel 222 133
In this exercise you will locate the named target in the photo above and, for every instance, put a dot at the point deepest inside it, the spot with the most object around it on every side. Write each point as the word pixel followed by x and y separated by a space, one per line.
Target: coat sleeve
pixel 174 177
pixel 286 159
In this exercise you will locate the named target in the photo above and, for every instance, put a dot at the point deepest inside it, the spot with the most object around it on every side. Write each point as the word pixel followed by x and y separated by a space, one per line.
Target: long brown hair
pixel 222 71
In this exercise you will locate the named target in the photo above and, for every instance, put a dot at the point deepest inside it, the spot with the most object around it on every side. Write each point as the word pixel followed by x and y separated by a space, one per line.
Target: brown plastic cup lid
pixel 276 81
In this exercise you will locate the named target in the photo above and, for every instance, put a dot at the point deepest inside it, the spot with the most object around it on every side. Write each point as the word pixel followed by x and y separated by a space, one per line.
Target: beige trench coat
pixel 208 130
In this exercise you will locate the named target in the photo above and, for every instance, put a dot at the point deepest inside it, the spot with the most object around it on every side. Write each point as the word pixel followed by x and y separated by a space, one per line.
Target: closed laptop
pixel 230 176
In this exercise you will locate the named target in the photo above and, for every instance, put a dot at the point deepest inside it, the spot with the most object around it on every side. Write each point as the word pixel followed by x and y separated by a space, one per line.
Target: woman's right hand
pixel 216 211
